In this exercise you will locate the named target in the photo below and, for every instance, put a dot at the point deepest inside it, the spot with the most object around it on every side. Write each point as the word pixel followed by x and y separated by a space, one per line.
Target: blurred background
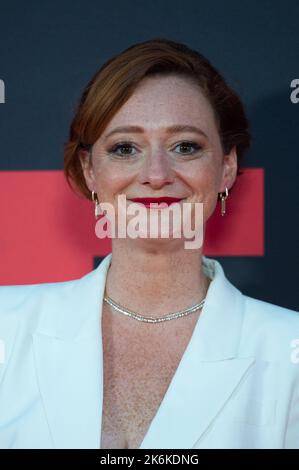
pixel 49 50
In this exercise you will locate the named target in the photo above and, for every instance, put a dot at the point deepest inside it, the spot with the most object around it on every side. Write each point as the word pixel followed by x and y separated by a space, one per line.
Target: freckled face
pixel 155 162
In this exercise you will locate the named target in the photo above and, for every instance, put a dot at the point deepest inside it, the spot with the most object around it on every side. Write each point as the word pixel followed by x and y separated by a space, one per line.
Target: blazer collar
pixel 69 363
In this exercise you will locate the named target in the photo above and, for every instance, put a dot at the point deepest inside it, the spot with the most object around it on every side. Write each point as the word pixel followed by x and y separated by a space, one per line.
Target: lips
pixel 148 200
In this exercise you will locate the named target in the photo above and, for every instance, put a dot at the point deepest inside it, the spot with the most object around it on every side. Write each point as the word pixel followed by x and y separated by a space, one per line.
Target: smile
pixel 152 202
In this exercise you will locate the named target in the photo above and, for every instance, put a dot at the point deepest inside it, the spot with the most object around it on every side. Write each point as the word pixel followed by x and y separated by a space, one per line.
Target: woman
pixel 93 362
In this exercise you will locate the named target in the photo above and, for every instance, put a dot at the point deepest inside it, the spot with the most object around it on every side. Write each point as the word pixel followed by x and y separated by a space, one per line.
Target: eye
pixel 122 145
pixel 188 145
pixel 124 149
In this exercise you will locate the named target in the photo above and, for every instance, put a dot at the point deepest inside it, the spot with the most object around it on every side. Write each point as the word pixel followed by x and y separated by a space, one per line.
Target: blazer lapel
pixel 195 397
pixel 68 360
pixel 69 364
pixel 209 371
pixel 69 381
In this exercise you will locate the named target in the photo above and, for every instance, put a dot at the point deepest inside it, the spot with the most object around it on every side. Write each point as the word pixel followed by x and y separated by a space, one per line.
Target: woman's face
pixel 156 161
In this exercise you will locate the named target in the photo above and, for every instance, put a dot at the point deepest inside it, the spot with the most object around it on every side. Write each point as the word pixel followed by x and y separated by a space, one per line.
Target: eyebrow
pixel 169 130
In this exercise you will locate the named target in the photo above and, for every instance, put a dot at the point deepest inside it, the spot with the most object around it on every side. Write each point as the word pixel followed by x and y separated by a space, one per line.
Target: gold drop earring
pixel 223 197
pixel 97 210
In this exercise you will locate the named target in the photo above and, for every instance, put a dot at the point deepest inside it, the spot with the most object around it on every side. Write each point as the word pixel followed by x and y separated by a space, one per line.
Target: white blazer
pixel 237 384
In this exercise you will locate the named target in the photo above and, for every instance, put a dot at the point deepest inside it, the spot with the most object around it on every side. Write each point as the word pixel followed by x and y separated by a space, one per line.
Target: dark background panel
pixel 50 49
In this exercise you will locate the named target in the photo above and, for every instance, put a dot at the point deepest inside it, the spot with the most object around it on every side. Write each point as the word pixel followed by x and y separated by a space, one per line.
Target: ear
pixel 87 168
pixel 229 170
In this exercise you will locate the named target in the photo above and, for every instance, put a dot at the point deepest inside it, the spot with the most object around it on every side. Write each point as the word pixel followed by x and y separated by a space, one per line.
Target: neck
pixel 155 280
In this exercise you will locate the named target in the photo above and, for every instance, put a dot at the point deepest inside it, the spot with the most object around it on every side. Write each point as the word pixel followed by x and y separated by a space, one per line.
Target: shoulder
pixel 25 303
pixel 271 336
pixel 270 330
pixel 269 314
pixel 259 315
pixel 21 304
pixel 13 297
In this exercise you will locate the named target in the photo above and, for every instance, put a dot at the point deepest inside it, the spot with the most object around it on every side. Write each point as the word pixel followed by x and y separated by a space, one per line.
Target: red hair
pixel 116 81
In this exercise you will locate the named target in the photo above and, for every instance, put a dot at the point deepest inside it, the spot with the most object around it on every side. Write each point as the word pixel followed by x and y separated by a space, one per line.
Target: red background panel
pixel 240 232
pixel 47 231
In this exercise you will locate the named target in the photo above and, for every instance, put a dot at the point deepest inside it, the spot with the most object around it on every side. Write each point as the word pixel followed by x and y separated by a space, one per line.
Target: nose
pixel 157 170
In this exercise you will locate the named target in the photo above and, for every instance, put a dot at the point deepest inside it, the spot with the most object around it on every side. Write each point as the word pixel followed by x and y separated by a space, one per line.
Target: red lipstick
pixel 146 201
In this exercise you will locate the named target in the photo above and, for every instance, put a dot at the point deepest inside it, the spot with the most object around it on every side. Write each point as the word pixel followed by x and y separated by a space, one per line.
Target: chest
pixel 137 373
